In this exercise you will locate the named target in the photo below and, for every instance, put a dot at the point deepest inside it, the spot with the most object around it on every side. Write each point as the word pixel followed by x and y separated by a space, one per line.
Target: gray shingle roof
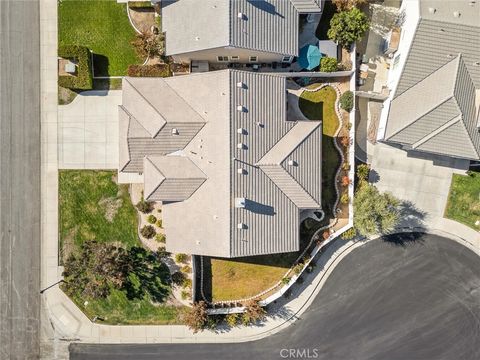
pixel 264 25
pixel 438 82
pixel 171 178
pixel 440 35
pixel 426 122
pixel 254 116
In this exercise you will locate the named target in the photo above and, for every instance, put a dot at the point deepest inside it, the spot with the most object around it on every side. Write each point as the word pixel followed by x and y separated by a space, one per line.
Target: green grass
pixel 102 26
pixel 83 212
pixel 464 200
pixel 116 309
pixel 320 105
pixel 329 10
pixel 83 216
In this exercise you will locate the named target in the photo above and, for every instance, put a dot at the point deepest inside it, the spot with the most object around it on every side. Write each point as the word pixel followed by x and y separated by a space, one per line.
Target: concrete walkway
pixel 88 131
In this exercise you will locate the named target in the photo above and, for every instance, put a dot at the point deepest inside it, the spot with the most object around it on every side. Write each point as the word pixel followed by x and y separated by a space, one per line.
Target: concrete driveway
pixel 88 131
pixel 423 180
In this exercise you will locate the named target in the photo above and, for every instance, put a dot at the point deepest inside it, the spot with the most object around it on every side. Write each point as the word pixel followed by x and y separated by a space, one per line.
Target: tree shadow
pixel 404 239
pixel 373 176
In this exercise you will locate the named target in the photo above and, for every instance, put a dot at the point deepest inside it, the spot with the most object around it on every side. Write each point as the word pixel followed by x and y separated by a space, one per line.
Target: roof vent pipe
pixel 241 108
pixel 240 202
pixel 432 10
pixel 240 85
pixel 241 16
pixel 241 146
pixel 456 14
pixel 241 131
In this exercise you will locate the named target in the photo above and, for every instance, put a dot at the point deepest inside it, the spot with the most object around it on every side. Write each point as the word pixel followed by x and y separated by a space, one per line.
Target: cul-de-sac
pixel 240 179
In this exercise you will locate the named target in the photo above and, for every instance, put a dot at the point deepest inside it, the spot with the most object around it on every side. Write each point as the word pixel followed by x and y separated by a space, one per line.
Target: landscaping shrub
pixel 178 278
pixel 346 166
pixel 181 258
pixel 285 280
pixel 187 283
pixel 348 4
pixel 196 318
pixel 161 238
pixel 345 141
pixel 345 181
pixel 328 64
pixel 363 171
pixel 349 234
pixel 149 45
pixel 186 269
pixel 144 206
pixel 326 235
pixel 344 198
pixel 151 219
pixel 254 312
pixel 297 269
pixel 81 55
pixel 346 27
pixel 232 319
pixel 159 223
pixel 185 294
pixel 148 231
pixel 346 101
pixel 158 70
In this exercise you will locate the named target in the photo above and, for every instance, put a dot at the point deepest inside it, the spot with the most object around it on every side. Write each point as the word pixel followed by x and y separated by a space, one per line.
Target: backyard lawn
pixel 320 105
pixel 102 26
pixel 464 199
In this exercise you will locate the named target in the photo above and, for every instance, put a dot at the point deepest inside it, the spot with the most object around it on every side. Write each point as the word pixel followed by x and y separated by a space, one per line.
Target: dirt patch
pixel 143 18
pixel 111 206
pixel 65 96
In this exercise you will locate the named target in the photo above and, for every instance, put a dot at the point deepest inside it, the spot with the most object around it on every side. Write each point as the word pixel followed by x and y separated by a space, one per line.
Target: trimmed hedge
pixel 159 70
pixel 140 4
pixel 84 79
pixel 328 64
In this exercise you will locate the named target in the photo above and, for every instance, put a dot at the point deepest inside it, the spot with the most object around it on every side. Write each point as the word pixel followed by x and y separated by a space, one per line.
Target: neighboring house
pixel 217 149
pixel 435 80
pixel 255 31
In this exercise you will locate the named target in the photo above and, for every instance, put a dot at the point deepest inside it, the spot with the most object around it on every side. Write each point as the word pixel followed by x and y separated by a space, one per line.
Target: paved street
pixel 410 298
pixel 19 179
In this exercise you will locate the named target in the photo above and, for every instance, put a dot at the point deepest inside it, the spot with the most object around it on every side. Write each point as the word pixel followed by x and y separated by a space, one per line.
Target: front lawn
pixel 320 105
pixel 93 207
pixel 464 199
pixel 102 26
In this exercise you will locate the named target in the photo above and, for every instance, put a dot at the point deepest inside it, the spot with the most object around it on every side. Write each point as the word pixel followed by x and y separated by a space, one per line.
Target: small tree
pixel 328 64
pixel 196 318
pixel 254 312
pixel 343 5
pixel 374 212
pixel 346 101
pixel 148 231
pixel 147 44
pixel 362 172
pixel 346 27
